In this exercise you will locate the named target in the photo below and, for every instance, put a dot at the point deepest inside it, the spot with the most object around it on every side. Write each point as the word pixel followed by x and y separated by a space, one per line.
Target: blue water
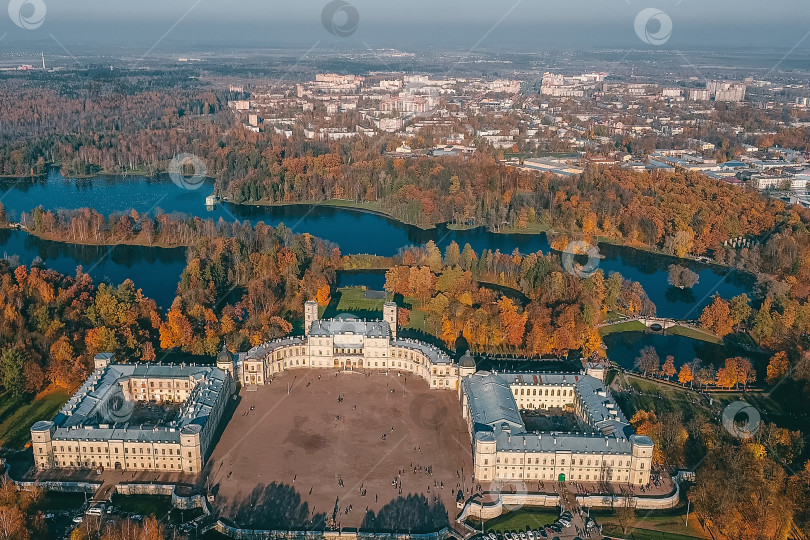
pixel 623 348
pixel 353 231
pixel 154 270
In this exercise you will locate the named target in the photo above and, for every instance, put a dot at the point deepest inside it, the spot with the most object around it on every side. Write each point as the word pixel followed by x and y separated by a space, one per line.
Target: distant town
pixel 576 118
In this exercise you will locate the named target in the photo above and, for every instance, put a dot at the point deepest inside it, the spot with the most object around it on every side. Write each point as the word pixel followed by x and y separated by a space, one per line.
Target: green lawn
pixel 661 397
pixel 651 396
pixel 629 326
pixel 146 505
pixel 693 334
pixel 157 505
pixel 353 300
pixel 650 524
pixel 646 534
pixel 520 520
pixel 417 320
pixel 17 415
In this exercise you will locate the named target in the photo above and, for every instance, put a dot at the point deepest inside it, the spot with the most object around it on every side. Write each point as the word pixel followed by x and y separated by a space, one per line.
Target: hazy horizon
pixel 522 26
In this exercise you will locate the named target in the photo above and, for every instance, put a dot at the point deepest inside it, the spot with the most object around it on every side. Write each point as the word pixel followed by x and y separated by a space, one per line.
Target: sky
pixel 483 24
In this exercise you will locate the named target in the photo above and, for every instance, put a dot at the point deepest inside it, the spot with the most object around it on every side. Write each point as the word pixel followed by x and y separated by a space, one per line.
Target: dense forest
pixel 242 285
pixel 560 316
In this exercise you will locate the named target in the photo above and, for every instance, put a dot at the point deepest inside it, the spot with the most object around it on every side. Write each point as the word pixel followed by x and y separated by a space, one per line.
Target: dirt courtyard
pixel 338 444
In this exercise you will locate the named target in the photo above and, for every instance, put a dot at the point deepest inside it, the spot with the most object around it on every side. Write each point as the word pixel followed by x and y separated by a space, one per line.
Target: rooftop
pixel 82 417
pixel 493 409
pixel 332 327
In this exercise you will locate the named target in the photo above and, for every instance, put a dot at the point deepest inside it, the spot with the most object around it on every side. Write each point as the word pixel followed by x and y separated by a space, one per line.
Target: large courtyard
pixel 317 448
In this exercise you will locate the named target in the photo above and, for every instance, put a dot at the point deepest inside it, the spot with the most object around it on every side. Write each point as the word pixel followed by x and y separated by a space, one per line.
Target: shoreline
pixel 134 243
pixel 535 230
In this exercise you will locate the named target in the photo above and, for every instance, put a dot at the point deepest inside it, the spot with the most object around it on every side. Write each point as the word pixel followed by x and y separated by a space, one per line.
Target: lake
pixel 354 231
pixel 623 348
pixel 146 266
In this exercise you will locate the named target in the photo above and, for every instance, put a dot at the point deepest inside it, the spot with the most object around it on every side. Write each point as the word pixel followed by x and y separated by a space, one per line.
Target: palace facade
pixel 348 344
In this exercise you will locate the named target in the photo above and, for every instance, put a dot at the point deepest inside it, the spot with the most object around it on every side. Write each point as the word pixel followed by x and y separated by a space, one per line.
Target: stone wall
pixel 53 485
pixel 250 534
pixel 63 487
pixel 145 489
pixel 477 509
pixel 183 497
pixel 641 503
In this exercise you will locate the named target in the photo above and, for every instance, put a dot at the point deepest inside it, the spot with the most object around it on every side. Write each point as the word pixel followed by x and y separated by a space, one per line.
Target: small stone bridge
pixel 655 323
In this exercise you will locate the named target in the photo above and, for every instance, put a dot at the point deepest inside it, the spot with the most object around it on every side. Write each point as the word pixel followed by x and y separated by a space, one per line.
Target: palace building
pixel 162 418
pixel 604 450
pixel 139 417
pixel 348 344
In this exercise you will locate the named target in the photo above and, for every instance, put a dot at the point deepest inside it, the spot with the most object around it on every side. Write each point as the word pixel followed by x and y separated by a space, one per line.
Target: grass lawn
pixel 417 320
pixel 17 415
pixel 353 300
pixel 146 505
pixel 766 405
pixel 519 520
pixel 650 524
pixel 651 396
pixel 693 334
pixel 646 534
pixel 629 326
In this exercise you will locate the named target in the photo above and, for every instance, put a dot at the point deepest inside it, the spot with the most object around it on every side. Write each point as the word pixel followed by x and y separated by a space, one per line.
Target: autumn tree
pixel 514 323
pixel 716 317
pixel 741 492
pixel 648 361
pixel 685 375
pixel 682 277
pixel 668 369
pixel 322 296
pixel 778 367
pixel 625 511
